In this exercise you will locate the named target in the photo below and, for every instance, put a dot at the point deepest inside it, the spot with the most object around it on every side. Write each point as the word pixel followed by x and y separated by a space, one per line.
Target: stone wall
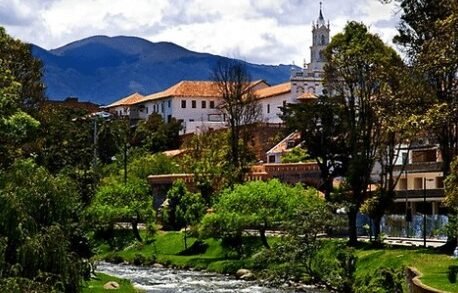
pixel 415 284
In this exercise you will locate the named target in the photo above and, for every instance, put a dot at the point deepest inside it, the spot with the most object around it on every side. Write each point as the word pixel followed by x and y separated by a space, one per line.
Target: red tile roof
pixel 275 90
pixel 127 101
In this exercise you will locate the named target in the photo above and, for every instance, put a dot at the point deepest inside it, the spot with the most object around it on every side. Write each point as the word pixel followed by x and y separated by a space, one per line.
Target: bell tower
pixel 320 33
pixel 310 78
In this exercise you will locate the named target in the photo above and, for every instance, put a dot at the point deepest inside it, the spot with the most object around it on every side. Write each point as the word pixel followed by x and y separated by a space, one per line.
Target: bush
pixel 114 258
pixel 452 271
pixel 335 264
pixel 383 280
pixel 139 260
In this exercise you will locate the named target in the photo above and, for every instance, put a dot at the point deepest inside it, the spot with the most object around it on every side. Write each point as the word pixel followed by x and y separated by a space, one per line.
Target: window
pixel 300 90
pixel 204 104
pixel 146 110
pixel 183 104
pixel 191 120
pixel 405 157
pixel 193 103
pixel 439 182
pixel 418 183
pixel 162 107
pixel 154 108
pixel 169 118
pixel 268 108
pixel 323 41
pixel 212 104
pixel 169 103
pixel 272 159
pixel 403 184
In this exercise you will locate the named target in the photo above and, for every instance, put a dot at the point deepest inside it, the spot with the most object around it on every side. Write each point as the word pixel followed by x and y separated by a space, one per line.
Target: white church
pixel 195 103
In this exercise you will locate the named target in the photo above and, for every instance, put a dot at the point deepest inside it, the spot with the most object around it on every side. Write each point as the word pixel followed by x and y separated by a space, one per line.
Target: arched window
pixel 323 40
pixel 299 90
pixel 311 90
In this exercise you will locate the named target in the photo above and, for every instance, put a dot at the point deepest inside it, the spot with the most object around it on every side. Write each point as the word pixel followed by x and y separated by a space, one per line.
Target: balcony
pixel 419 194
pixel 421 167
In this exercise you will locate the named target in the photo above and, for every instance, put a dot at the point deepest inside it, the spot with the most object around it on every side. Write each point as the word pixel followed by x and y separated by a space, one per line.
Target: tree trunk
pixel 377 221
pixel 352 232
pixel 135 230
pixel 185 236
pixel 262 233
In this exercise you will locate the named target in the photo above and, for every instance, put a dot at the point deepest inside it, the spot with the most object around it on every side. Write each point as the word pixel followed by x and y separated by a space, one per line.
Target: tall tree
pixel 323 133
pixel 16 126
pixel 358 74
pixel 429 32
pixel 39 235
pixel 206 159
pixel 25 69
pixel 239 107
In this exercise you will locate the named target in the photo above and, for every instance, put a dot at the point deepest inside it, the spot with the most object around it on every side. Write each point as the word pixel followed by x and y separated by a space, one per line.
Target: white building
pixel 195 103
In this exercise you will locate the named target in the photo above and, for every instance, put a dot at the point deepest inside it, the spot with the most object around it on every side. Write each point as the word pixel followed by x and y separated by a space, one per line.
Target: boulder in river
pixel 248 277
pixel 112 285
pixel 245 274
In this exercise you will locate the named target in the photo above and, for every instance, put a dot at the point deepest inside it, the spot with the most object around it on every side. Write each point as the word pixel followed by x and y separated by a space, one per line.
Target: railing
pixel 420 167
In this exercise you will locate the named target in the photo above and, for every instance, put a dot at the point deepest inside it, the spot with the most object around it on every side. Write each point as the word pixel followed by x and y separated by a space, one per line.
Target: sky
pixel 257 31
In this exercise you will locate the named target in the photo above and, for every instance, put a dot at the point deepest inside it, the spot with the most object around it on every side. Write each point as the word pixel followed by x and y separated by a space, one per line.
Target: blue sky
pixel 258 31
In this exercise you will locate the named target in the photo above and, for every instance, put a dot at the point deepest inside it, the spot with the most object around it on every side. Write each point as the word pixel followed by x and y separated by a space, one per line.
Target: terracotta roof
pixel 186 89
pixel 307 96
pixel 129 100
pixel 275 90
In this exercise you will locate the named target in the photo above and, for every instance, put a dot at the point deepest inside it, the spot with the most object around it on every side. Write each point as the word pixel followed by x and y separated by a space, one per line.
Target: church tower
pixel 320 33
pixel 310 78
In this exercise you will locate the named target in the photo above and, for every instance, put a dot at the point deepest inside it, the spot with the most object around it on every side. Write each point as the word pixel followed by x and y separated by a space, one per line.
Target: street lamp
pixel 424 209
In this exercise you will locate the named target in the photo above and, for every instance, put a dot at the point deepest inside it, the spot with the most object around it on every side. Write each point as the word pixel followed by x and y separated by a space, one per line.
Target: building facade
pixel 196 103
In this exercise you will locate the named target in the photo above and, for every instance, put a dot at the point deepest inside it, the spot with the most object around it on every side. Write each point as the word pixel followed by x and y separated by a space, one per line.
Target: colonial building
pixel 195 103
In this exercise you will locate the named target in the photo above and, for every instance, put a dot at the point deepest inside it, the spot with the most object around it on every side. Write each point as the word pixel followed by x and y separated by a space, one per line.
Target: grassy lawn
pixel 434 266
pixel 168 248
pixel 96 285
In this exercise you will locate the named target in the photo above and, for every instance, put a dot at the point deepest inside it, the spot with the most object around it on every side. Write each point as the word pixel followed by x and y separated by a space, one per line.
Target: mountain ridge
pixel 103 69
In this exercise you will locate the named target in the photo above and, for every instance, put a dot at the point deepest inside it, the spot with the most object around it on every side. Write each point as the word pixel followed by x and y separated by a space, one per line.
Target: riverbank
pixel 167 248
pixel 96 284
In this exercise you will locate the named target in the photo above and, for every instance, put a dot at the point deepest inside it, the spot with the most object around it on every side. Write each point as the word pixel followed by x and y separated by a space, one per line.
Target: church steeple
pixel 321 21
pixel 320 32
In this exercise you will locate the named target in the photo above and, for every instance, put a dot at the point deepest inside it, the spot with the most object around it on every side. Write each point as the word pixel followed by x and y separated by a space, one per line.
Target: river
pixel 165 280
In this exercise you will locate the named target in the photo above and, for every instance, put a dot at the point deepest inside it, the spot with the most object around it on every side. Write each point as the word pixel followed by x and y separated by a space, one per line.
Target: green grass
pixel 168 248
pixel 96 284
pixel 434 266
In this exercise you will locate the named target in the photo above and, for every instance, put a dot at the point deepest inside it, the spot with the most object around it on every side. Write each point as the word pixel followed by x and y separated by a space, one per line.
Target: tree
pixel 295 155
pixel 206 159
pixel 428 31
pixel 155 135
pixel 117 202
pixel 323 132
pixel 39 236
pixel 25 69
pixel 16 126
pixel 358 73
pixel 184 208
pixel 254 205
pixel 239 107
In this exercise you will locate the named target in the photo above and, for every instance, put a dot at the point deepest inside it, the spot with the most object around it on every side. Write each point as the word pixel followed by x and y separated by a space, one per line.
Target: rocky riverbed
pixel 167 280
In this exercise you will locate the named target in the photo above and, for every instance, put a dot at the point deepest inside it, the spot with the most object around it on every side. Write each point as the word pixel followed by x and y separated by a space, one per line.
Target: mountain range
pixel 103 69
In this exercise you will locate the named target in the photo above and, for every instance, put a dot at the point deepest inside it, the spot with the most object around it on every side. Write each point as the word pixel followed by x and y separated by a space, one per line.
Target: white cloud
pixel 268 31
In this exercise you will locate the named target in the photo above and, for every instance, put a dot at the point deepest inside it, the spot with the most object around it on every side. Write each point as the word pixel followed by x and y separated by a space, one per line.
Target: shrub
pixel 382 280
pixel 452 271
